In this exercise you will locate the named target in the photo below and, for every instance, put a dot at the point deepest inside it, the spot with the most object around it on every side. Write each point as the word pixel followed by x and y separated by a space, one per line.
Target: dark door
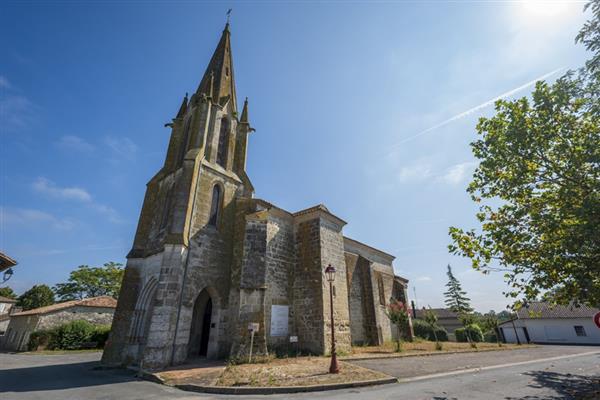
pixel 205 328
pixel 526 335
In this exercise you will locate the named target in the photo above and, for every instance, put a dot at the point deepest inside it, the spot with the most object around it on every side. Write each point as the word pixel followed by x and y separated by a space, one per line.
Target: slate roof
pixel 7 300
pixel 540 309
pixel 440 312
pixel 101 301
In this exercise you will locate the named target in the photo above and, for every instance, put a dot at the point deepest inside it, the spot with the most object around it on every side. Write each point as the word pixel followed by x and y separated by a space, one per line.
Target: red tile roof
pixel 101 301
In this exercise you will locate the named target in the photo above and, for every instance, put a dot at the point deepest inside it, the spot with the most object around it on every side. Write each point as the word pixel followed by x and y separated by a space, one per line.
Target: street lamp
pixel 7 275
pixel 330 273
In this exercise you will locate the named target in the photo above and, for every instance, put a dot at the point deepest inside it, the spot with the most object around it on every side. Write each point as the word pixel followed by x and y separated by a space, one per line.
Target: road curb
pixel 266 389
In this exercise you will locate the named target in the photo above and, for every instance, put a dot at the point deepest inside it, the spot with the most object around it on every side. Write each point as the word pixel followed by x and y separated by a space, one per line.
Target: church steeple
pixel 219 73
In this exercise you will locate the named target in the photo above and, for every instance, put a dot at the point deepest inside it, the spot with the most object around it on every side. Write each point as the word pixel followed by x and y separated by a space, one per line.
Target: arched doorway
pixel 201 326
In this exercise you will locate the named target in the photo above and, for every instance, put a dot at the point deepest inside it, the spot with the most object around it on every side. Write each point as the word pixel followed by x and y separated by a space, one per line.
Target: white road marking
pixel 478 369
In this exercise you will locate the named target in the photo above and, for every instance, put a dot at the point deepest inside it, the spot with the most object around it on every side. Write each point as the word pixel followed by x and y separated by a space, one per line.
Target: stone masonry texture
pixel 208 258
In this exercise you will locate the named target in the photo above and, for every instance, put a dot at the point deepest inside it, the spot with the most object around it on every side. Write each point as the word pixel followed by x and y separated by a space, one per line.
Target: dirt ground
pixel 303 371
pixel 300 371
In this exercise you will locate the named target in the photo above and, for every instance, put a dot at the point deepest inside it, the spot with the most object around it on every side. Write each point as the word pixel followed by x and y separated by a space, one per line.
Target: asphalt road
pixel 534 377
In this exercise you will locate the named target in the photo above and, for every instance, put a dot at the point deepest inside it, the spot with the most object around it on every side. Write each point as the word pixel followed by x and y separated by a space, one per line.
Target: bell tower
pixel 185 235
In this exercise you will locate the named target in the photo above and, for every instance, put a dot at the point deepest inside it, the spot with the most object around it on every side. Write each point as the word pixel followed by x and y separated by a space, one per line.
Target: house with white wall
pixel 541 322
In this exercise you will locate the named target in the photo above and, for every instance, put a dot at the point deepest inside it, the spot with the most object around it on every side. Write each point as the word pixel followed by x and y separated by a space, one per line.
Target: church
pixel 209 258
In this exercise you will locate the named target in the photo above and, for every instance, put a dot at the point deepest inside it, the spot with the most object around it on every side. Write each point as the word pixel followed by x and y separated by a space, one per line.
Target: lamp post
pixel 330 273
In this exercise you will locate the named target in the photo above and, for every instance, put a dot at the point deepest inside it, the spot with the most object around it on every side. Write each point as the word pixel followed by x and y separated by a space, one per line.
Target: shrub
pixel 100 335
pixel 423 330
pixel 490 337
pixel 40 340
pixel 474 333
pixel 72 335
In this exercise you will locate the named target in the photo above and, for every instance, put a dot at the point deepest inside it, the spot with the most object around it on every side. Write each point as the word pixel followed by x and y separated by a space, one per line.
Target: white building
pixel 541 322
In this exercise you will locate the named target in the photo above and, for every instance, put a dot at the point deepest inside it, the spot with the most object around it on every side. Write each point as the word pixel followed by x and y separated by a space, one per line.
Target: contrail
pixel 482 105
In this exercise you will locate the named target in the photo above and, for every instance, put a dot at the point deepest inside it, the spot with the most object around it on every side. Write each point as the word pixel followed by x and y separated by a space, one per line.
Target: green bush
pixel 100 335
pixel 72 335
pixel 490 337
pixel 423 330
pixel 474 333
pixel 41 338
pixel 69 336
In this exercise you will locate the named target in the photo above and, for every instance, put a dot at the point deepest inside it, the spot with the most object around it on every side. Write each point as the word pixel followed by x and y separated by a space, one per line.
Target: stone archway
pixel 202 342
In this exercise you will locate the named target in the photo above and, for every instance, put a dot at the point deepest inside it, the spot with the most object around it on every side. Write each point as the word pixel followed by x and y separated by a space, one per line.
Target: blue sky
pixel 343 96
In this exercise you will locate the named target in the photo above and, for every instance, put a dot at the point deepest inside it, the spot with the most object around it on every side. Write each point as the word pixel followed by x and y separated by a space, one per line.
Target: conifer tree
pixel 456 297
pixel 458 302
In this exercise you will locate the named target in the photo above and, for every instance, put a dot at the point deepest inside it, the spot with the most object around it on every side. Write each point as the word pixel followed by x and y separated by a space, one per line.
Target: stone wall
pixel 308 290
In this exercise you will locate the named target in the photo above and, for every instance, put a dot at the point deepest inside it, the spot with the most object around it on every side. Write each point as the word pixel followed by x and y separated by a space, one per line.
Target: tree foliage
pixel 88 281
pixel 456 298
pixel 397 312
pixel 37 296
pixel 538 187
pixel 8 292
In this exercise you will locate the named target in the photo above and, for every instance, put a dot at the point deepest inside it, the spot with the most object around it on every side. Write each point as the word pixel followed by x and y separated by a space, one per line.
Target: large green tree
pixel 88 281
pixel 538 187
pixel 8 292
pixel 37 296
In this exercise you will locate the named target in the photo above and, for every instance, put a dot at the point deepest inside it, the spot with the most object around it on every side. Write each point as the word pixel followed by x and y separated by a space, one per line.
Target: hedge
pixel 474 333
pixel 69 336
pixel 423 330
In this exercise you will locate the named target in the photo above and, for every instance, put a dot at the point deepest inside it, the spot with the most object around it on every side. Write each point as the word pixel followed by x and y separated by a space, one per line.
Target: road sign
pixel 293 339
pixel 253 326
pixel 597 319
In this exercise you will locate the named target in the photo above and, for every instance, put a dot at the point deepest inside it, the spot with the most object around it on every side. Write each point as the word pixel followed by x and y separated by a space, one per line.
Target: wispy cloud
pixel 480 106
pixel 413 173
pixel 76 143
pixel 34 219
pixel 423 279
pixel 4 83
pixel 47 187
pixel 457 173
pixel 122 147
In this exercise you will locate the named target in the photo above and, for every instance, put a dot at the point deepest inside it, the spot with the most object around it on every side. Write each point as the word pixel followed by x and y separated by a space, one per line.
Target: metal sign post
pixel 252 327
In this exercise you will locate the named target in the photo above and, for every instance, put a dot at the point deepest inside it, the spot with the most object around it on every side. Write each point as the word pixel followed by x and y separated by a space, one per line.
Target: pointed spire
pixel 220 73
pixel 244 117
pixel 183 107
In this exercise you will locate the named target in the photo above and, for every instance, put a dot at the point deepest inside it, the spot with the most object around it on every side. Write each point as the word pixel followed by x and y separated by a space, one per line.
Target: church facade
pixel 209 258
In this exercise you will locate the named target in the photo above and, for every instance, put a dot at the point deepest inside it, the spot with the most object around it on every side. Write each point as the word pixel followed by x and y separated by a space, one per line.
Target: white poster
pixel 279 320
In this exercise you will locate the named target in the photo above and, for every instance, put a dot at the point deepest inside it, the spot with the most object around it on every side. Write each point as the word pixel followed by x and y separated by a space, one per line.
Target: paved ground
pixel 70 377
pixel 414 366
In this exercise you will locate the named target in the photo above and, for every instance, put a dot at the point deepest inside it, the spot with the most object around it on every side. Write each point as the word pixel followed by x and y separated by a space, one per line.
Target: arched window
pixel 215 206
pixel 223 142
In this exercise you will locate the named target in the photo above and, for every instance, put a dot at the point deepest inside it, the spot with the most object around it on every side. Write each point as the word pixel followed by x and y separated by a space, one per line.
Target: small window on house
pixel 580 330
pixel 381 290
pixel 227 71
pixel 215 206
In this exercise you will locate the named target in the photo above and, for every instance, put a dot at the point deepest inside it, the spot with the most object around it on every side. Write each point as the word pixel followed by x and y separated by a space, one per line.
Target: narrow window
pixel 215 206
pixel 580 330
pixel 381 290
pixel 223 141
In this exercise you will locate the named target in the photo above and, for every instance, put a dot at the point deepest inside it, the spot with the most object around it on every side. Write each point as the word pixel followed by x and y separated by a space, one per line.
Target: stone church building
pixel 209 258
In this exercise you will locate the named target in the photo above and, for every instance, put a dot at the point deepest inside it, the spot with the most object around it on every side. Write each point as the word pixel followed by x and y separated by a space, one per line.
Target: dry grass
pixel 424 347
pixel 300 371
